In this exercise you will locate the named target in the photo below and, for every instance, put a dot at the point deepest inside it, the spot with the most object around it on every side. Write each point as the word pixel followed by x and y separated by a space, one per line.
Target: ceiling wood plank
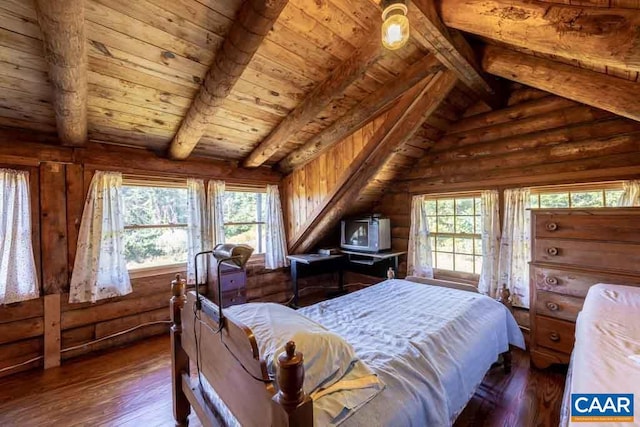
pixel 255 19
pixel 599 90
pixel 450 47
pixel 403 120
pixel 602 36
pixel 333 86
pixel 64 37
pixel 361 114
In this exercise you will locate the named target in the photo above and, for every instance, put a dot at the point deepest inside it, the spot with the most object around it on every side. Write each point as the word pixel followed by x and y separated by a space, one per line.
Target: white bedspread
pixel 606 356
pixel 431 347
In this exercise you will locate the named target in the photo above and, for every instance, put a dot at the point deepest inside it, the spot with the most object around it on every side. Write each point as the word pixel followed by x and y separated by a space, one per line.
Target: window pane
pixel 587 199
pixel 432 242
pixel 154 247
pixel 445 207
pixel 240 206
pixel 430 206
pixel 554 200
pixel 534 201
pixel 444 244
pixel 464 246
pixel 464 263
pixel 432 221
pixel 464 224
pixel 154 205
pixel 478 246
pixel 250 234
pixel 444 261
pixel 613 196
pixel 478 202
pixel 478 262
pixel 478 224
pixel 445 224
pixel 464 206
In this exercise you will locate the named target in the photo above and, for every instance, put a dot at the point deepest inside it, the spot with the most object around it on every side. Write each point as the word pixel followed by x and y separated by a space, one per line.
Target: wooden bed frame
pixel 231 364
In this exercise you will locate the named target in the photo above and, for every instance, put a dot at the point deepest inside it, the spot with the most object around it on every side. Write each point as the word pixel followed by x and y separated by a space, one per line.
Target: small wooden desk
pixel 313 264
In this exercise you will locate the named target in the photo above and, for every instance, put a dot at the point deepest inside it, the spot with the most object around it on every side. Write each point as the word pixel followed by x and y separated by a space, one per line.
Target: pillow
pixel 327 356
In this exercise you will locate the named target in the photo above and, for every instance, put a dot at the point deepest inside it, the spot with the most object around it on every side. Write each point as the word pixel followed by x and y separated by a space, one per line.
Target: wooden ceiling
pixel 147 61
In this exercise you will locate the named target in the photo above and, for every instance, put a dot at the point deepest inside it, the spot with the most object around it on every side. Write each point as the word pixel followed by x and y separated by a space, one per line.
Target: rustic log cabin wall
pixel 59 179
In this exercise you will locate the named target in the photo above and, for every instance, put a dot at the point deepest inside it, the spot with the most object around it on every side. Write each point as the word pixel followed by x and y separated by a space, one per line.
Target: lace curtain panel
pixel 419 258
pixel 100 268
pixel 18 276
pixel 490 220
pixel 515 245
pixel 631 194
pixel 197 230
pixel 216 211
pixel 276 242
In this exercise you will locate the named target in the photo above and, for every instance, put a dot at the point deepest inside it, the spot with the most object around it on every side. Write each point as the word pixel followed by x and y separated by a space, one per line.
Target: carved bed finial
pixel 290 377
pixel 505 297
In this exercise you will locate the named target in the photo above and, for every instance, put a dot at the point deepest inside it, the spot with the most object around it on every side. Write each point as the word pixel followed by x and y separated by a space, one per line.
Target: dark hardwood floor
pixel 131 387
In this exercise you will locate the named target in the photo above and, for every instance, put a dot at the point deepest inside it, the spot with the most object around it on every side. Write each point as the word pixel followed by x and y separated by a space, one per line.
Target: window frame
pixel 257 254
pixel 155 182
pixel 568 189
pixel 448 273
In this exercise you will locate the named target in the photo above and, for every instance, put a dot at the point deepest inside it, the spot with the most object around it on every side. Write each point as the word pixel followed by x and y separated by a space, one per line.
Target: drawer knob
pixel 552 251
pixel 553 306
pixel 553 336
pixel 552 226
pixel 550 280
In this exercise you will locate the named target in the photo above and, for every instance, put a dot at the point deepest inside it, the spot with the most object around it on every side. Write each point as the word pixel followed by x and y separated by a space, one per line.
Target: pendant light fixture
pixel 395 26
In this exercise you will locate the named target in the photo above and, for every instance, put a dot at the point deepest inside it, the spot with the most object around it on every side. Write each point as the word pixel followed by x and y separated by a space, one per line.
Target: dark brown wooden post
pixel 505 298
pixel 179 358
pixel 291 396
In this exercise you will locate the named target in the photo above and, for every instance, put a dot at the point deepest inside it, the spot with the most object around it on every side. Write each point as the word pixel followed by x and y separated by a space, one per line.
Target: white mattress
pixel 431 346
pixel 606 356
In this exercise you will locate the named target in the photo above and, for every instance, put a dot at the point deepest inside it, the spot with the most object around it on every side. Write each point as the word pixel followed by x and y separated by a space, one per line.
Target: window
pixel 587 196
pixel 244 218
pixel 456 241
pixel 155 219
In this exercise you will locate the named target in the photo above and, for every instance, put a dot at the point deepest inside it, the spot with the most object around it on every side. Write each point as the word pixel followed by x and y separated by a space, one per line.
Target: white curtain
pixel 490 220
pixel 515 245
pixel 276 253
pixel 18 277
pixel 197 230
pixel 216 211
pixel 100 268
pixel 419 258
pixel 631 194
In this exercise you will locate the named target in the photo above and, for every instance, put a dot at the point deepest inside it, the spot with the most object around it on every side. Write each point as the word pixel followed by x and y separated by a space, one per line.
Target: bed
pixel 423 351
pixel 606 355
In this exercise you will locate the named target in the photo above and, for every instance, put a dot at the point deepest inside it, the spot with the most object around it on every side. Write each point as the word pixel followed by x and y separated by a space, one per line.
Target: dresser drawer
pixel 232 280
pixel 238 296
pixel 555 334
pixel 574 283
pixel 559 306
pixel 619 228
pixel 588 254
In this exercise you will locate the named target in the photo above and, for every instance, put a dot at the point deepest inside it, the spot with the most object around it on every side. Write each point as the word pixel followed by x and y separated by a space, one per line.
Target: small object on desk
pixel 329 251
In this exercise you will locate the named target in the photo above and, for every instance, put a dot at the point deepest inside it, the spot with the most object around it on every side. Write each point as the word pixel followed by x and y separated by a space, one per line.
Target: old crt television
pixel 370 234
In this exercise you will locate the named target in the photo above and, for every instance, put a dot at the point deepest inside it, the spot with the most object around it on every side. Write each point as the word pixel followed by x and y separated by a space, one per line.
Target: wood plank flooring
pixel 131 387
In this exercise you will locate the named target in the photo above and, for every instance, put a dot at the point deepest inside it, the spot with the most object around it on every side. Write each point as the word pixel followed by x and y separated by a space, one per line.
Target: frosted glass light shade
pixel 395 28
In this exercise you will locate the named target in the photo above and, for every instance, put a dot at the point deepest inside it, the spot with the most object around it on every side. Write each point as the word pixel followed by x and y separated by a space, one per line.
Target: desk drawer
pixel 559 306
pixel 554 334
pixel 615 227
pixel 232 280
pixel 238 296
pixel 588 254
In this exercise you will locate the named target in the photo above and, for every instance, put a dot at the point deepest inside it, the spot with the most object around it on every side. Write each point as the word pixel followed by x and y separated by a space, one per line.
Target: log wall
pixel 51 329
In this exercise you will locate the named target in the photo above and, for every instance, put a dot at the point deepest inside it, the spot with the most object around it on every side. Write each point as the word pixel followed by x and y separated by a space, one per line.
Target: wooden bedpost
pixel 505 298
pixel 179 358
pixel 297 406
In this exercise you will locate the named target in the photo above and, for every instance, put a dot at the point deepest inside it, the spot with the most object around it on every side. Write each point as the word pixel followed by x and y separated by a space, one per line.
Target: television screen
pixel 356 233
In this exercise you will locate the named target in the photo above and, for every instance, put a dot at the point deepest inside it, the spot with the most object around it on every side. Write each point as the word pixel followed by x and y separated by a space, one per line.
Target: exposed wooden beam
pixel 333 86
pixel 450 47
pixel 361 114
pixel 402 121
pixel 599 90
pixel 65 46
pixel 601 36
pixel 252 24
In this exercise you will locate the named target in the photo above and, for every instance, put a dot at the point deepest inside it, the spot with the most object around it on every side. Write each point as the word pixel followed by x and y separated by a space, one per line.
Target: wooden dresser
pixel 233 285
pixel 573 249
